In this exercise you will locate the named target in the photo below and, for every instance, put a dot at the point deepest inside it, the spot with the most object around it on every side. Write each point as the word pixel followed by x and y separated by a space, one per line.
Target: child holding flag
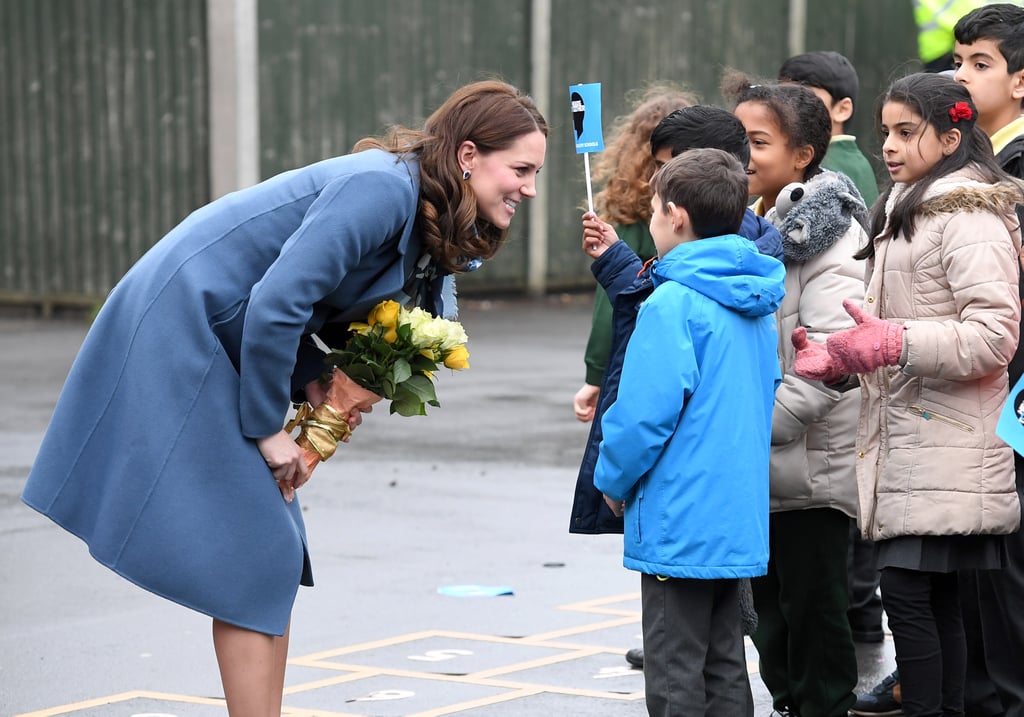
pixel 624 170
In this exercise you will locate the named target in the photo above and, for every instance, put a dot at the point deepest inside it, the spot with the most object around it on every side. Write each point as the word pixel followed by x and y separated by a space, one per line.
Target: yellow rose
pixel 428 353
pixel 386 313
pixel 457 358
pixel 359 327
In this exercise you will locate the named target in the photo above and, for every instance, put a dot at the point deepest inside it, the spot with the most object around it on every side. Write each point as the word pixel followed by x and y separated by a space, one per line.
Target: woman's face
pixel 504 178
pixel 773 162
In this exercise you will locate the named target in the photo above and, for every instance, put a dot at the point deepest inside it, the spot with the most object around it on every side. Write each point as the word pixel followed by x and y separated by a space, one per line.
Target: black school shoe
pixel 635 657
pixel 882 701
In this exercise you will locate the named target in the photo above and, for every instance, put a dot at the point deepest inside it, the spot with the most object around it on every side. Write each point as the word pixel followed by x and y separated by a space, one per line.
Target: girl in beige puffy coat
pixel 805 647
pixel 937 329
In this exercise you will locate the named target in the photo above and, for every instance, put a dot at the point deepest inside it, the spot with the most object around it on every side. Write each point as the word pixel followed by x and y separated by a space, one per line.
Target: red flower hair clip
pixel 959 111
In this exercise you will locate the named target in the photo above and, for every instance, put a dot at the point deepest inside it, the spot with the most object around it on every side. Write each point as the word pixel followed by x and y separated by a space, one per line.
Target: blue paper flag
pixel 586 117
pixel 1010 428
pixel 474 590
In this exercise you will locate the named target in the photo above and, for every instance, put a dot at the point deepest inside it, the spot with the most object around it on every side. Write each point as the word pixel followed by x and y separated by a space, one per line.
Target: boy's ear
pixel 842 111
pixel 1017 88
pixel 680 217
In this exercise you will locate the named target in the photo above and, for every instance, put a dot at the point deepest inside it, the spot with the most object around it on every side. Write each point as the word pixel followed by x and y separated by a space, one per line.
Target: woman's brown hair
pixel 492 115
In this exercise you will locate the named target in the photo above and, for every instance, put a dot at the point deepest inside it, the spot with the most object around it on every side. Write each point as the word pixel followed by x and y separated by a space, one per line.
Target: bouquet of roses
pixel 393 355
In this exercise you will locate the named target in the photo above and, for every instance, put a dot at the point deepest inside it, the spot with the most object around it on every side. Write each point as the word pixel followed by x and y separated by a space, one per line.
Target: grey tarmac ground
pixel 476 494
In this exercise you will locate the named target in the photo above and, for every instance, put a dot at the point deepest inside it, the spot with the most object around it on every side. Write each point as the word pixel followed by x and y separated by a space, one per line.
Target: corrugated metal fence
pixel 104 140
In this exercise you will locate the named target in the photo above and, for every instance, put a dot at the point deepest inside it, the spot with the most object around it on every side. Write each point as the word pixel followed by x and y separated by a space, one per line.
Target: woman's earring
pixel 465 174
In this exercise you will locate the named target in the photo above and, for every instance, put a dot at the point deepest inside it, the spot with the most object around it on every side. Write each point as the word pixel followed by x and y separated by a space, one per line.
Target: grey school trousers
pixel 694 660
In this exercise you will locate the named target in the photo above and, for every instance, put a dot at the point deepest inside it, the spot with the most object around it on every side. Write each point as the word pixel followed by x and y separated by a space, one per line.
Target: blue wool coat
pixel 686 443
pixel 150 457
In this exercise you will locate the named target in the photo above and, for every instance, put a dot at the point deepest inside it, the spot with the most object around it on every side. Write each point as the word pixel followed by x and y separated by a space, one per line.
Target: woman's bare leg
pixel 280 662
pixel 251 669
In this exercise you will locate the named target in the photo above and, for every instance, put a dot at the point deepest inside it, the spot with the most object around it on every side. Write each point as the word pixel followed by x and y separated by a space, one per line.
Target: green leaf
pixel 421 387
pixel 408 407
pixel 420 363
pixel 402 371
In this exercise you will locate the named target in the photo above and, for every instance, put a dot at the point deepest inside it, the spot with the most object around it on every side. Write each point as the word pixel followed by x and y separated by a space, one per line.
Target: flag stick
pixel 590 191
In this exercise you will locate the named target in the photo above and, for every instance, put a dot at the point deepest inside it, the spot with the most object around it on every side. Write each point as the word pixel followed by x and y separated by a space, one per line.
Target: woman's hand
pixel 286 462
pixel 355 417
pixel 316 392
pixel 597 235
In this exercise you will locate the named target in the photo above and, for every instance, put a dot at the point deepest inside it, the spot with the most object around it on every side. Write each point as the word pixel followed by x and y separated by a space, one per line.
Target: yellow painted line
pixel 597 605
pixel 533 664
pixel 302 712
pixel 592 627
pixel 478 679
pixel 356 674
pixel 484 678
pixel 123 697
pixel 471 704
pixel 386 642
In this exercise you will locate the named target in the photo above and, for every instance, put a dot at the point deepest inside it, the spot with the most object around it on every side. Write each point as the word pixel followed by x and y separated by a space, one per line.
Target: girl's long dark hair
pixel 931 96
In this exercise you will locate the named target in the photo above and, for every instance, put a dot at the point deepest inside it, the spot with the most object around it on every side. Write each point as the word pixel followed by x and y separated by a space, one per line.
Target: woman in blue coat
pixel 166 453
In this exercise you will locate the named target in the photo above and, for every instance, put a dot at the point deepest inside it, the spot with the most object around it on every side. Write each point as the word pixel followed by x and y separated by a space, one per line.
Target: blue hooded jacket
pixel 622 274
pixel 686 443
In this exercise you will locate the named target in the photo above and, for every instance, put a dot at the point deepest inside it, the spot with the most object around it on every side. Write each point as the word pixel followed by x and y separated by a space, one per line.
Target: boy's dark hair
pixel 710 184
pixel 1003 23
pixel 802 117
pixel 932 96
pixel 702 127
pixel 827 70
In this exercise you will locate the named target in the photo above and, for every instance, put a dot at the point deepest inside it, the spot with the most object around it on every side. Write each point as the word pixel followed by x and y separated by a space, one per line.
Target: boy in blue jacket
pixel 686 443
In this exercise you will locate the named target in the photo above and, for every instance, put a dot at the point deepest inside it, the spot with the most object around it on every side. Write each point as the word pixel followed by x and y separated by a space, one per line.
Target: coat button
pixel 871 299
pixel 860 454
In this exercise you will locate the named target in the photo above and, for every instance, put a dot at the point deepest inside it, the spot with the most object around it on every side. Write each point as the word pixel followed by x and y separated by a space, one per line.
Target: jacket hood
pixel 727 269
pixel 831 201
pixel 968 195
pixel 964 191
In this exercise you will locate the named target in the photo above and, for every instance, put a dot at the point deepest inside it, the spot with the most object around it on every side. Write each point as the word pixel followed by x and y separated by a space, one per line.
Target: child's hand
pixel 813 361
pixel 584 403
pixel 872 343
pixel 597 235
pixel 618 506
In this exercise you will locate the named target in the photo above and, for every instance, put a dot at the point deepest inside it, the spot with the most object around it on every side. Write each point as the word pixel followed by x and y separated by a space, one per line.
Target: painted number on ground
pixel 605 672
pixel 382 695
pixel 440 655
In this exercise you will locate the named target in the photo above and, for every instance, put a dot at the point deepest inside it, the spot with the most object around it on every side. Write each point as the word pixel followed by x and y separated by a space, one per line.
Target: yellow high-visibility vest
pixel 935 21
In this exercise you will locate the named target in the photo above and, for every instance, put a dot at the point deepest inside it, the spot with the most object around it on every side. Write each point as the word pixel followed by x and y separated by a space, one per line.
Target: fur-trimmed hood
pixel 1000 198
pixel 831 201
pixel 965 192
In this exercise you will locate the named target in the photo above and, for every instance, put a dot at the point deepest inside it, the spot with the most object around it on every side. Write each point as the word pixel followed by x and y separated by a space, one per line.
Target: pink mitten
pixel 872 343
pixel 812 360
